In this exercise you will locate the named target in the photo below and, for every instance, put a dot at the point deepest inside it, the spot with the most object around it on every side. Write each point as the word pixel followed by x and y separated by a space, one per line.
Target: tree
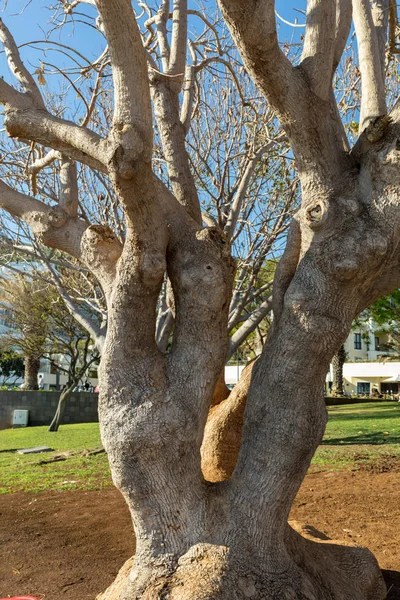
pixel 385 312
pixel 11 366
pixel 41 326
pixel 70 342
pixel 195 539
pixel 338 360
pixel 26 306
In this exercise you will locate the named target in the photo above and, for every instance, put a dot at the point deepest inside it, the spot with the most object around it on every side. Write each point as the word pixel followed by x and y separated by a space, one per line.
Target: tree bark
pixel 228 540
pixel 221 391
pixel 223 431
pixel 32 366
pixel 338 361
pixel 57 419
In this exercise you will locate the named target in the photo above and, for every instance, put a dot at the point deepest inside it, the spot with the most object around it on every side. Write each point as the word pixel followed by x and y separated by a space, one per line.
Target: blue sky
pixel 28 23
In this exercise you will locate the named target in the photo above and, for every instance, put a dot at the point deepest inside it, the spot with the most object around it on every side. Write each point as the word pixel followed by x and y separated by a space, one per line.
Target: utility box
pixel 20 418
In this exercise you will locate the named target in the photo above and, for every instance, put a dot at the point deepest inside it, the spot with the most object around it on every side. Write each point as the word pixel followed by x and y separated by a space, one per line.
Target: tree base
pixel 320 570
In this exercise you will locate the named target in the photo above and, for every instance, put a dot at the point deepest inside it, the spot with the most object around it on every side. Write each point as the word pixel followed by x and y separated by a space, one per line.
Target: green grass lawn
pixel 359 433
pixel 23 473
pixel 356 435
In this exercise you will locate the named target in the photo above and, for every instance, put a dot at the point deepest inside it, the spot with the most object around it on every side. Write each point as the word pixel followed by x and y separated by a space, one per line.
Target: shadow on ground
pixel 377 438
pixel 392 579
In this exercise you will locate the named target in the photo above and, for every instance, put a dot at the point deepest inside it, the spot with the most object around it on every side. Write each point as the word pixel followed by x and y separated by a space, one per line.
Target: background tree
pixel 338 360
pixel 26 306
pixel 11 366
pixel 41 326
pixel 197 540
pixel 70 351
pixel 385 313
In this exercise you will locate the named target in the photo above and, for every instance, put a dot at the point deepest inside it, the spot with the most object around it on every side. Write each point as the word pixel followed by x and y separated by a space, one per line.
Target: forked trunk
pixel 338 361
pixel 222 540
pixel 57 419
pixel 231 540
pixel 32 366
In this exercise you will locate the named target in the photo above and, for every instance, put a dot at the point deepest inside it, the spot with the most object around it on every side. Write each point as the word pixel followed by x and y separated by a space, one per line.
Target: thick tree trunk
pixel 57 419
pixel 231 541
pixel 338 361
pixel 32 366
pixel 228 540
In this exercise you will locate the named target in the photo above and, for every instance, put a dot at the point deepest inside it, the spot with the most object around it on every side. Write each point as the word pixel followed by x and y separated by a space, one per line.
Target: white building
pixel 365 369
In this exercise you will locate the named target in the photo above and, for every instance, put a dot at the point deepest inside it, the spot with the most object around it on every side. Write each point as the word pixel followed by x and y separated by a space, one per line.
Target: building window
pixel 357 341
pixel 363 388
pixel 377 343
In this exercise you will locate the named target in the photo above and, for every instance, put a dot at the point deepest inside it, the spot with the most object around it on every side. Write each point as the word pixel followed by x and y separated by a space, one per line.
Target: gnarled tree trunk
pixel 223 540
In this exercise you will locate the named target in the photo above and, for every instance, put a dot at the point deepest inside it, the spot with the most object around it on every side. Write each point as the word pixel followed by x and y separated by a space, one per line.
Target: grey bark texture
pixel 227 540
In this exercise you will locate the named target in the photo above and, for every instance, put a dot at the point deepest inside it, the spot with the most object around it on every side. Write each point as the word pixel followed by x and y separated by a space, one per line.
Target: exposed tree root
pixel 319 570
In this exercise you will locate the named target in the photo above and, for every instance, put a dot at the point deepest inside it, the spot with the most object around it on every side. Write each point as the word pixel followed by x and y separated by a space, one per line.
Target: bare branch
pixel 51 224
pixel 254 29
pixel 228 65
pixel 393 25
pixel 373 99
pixel 177 59
pixel 380 17
pixel 319 46
pixel 69 6
pixel 132 108
pixel 21 205
pixel 68 187
pixel 97 333
pixel 319 151
pixel 210 26
pixel 17 66
pixel 10 98
pixel 173 135
pixel 94 97
pixel 79 143
pixel 344 13
pixel 243 186
pixel 40 164
pixel 162 36
pixel 250 325
pixel 188 97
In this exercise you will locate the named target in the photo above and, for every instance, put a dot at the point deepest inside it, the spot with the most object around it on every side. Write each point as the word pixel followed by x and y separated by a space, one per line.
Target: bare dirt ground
pixel 70 545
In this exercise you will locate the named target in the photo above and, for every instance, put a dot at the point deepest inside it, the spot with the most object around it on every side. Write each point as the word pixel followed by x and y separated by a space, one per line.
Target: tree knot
pixel 127 149
pixel 101 238
pixel 377 127
pixel 316 214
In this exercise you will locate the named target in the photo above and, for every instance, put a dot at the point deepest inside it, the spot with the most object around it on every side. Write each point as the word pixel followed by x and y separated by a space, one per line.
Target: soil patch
pixel 71 544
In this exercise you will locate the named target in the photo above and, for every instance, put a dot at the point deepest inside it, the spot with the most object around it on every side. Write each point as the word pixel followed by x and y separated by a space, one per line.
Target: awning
pixel 393 379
